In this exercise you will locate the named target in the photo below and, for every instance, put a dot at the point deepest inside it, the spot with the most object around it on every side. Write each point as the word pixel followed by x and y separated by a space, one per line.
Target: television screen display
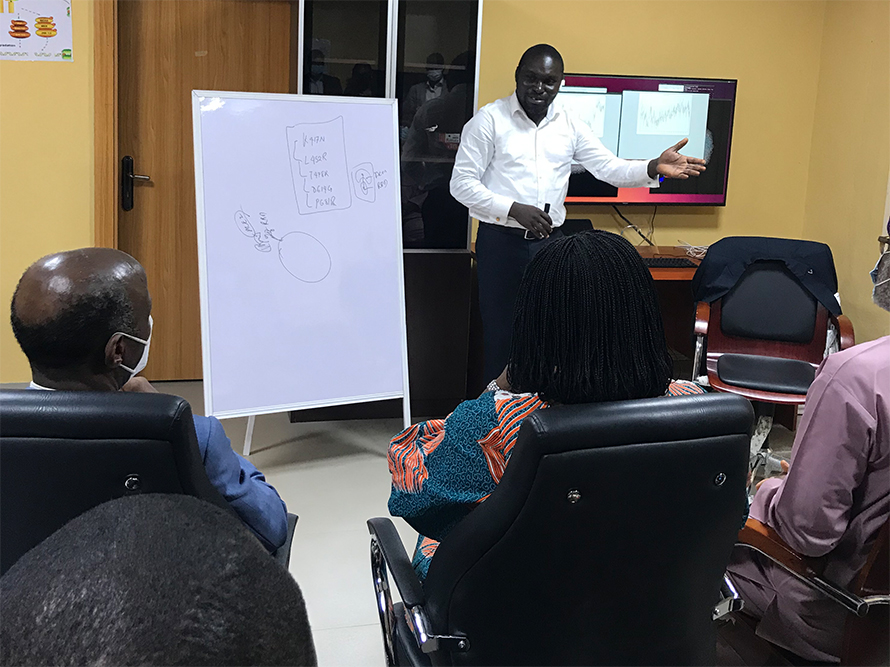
pixel 639 117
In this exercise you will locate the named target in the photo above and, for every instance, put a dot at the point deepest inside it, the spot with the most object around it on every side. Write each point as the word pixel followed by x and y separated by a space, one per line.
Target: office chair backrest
pixel 769 303
pixel 726 260
pixel 63 453
pixel 606 540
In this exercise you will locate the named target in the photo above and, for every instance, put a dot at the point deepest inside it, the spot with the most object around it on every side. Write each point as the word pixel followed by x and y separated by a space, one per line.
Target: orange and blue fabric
pixel 441 469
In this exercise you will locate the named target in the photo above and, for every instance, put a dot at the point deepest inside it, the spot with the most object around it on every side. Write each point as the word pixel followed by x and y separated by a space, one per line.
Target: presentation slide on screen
pixel 654 121
pixel 600 112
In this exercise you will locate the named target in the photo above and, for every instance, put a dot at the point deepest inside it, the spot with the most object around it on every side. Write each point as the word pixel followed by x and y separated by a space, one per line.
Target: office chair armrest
pixel 761 538
pixel 282 553
pixel 702 314
pixel 384 532
pixel 846 337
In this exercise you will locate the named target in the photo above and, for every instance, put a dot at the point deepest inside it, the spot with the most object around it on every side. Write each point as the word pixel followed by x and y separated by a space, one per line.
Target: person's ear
pixel 114 351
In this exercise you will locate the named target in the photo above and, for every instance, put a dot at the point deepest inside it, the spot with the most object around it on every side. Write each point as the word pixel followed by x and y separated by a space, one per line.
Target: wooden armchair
pixel 765 339
pixel 708 328
pixel 867 631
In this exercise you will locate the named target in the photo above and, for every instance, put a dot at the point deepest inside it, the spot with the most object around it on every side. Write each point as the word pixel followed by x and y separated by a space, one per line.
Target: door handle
pixel 127 179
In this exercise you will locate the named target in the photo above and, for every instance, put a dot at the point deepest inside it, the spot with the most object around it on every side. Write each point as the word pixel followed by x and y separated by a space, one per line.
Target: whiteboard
pixel 299 252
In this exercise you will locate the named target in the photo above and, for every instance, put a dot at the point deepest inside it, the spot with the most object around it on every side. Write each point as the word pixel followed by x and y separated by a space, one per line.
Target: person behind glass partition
pixel 319 82
pixel 420 93
pixel 431 216
pixel 361 83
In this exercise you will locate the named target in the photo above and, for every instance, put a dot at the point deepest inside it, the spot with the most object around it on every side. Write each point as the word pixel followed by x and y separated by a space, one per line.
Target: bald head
pixel 67 305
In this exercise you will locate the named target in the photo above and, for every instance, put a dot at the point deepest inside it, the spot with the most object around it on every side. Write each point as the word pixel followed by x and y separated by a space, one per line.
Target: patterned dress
pixel 443 468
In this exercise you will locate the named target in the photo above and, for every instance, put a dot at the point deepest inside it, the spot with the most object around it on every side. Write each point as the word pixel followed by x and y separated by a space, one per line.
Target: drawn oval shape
pixel 304 257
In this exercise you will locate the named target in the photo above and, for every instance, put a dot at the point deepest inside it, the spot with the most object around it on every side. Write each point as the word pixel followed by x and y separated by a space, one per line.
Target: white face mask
pixel 143 360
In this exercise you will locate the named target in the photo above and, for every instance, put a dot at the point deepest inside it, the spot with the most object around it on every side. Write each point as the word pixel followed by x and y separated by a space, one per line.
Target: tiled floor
pixel 335 477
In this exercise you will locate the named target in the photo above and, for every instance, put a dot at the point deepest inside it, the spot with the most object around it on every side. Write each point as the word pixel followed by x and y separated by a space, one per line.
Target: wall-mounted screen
pixel 639 117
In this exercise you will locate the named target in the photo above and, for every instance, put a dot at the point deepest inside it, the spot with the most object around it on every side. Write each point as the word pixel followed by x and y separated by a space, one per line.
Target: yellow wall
pixel 46 168
pixel 812 126
pixel 813 82
pixel 851 153
pixel 772 48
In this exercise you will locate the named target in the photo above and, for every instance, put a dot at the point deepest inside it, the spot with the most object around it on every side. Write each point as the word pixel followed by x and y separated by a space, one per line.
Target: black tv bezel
pixel 667 79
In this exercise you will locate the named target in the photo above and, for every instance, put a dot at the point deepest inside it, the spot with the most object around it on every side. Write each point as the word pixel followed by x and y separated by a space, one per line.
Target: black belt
pixel 514 231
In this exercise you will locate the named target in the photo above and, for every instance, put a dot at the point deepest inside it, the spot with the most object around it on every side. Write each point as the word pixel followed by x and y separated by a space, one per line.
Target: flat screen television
pixel 638 117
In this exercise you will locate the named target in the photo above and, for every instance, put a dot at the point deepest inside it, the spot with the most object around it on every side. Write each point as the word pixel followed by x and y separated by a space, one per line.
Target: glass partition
pixel 344 47
pixel 436 89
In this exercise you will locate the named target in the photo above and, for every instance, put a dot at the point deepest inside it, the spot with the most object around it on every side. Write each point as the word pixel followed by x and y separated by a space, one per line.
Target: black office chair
pixel 63 453
pixel 605 543
pixel 765 307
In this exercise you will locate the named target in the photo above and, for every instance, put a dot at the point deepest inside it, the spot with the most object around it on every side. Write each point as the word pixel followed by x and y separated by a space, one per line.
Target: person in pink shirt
pixel 833 500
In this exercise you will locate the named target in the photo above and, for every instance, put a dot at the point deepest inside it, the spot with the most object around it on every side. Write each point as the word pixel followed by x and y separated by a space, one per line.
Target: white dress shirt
pixel 504 158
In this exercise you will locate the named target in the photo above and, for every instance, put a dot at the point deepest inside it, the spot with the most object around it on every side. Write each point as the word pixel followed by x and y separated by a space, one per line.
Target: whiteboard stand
pixel 299 233
pixel 248 437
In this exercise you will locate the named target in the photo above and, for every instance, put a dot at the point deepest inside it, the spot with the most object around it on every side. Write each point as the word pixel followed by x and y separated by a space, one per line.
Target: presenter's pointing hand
pixel 671 164
pixel 533 219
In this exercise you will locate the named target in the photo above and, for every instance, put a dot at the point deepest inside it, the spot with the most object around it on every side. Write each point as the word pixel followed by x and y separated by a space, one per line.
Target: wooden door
pixel 166 50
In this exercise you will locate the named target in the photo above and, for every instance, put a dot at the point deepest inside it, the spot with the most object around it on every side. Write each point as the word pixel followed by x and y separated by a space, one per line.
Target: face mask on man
pixel 316 70
pixel 143 360
pixel 434 76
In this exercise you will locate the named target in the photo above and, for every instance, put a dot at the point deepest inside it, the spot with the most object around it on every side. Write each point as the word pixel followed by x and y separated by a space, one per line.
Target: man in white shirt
pixel 512 172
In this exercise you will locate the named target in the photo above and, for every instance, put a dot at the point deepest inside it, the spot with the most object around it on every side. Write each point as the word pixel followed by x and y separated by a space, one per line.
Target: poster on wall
pixel 35 30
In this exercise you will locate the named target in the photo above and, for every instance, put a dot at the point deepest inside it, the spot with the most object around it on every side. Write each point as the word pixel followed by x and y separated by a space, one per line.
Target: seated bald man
pixel 83 319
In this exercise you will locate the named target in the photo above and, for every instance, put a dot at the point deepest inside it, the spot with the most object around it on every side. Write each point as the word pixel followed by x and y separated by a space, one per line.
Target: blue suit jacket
pixel 241 484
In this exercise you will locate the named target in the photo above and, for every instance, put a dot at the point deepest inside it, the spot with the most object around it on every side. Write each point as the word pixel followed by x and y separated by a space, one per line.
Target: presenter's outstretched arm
pixel 671 164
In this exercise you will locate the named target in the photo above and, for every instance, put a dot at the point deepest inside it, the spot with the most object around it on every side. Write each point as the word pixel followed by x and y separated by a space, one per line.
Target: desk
pixel 669 251
pixel 674 288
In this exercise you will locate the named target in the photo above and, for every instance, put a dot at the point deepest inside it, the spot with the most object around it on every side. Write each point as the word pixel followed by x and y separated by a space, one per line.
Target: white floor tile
pixel 350 647
pixel 334 573
pixel 335 476
pixel 335 494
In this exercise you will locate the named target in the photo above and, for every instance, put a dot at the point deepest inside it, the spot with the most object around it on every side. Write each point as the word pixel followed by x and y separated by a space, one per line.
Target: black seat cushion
pixel 784 376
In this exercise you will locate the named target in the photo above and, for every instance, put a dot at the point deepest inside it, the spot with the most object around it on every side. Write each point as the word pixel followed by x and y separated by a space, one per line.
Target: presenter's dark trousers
pixel 502 253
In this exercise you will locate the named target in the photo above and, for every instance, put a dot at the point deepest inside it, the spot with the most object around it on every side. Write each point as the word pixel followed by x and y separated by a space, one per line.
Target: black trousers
pixel 502 253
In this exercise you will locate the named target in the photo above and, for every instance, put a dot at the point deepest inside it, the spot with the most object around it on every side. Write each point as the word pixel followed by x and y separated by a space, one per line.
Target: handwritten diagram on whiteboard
pixel 301 254
pixel 664 114
pixel 299 245
pixel 319 166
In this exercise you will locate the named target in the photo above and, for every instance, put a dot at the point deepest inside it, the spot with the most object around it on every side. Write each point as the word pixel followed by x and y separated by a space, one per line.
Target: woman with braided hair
pixel 586 328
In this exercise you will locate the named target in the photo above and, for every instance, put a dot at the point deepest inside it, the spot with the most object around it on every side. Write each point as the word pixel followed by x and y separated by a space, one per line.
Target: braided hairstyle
pixel 587 326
